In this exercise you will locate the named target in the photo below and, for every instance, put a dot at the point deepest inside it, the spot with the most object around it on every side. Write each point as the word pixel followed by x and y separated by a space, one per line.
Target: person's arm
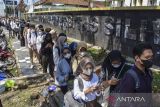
pixel 127 84
pixel 77 93
pixel 104 76
pixel 24 32
pixel 59 77
pixel 34 39
pixel 55 56
pixel 28 36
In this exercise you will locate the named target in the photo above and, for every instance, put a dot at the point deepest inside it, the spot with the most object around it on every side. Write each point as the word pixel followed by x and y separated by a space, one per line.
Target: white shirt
pixel 31 39
pixel 13 25
pixel 56 57
pixel 39 41
pixel 90 96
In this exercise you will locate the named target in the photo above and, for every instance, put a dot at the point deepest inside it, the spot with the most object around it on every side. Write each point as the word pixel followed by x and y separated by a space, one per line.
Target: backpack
pixel 136 79
pixel 59 53
pixel 69 100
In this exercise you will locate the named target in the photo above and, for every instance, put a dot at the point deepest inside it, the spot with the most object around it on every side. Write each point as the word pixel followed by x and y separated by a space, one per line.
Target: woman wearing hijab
pixel 86 86
pixel 57 50
pixel 80 54
pixel 47 56
pixel 54 36
pixel 63 70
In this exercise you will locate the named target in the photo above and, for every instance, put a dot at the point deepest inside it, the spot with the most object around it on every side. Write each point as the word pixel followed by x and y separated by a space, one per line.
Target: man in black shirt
pixel 137 82
pixel 139 78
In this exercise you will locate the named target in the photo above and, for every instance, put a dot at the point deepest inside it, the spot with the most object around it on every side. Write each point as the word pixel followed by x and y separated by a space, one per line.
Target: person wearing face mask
pixel 13 26
pixel 40 38
pixel 139 78
pixel 63 70
pixel 81 52
pixel 60 41
pixel 86 85
pixel 25 31
pixel 113 69
pixel 46 54
pixel 31 40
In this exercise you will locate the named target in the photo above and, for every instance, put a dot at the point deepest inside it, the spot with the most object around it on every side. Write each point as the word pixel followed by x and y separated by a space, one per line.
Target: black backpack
pixel 59 53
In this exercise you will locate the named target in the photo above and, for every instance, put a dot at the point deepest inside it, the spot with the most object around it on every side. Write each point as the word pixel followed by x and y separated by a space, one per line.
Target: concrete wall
pixel 120 30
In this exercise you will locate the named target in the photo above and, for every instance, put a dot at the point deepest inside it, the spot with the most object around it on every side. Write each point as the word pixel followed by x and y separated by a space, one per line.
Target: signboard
pixel 10 2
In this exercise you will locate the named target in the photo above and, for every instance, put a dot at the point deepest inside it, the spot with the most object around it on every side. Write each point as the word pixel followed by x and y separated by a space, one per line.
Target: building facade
pixel 126 3
pixel 2 8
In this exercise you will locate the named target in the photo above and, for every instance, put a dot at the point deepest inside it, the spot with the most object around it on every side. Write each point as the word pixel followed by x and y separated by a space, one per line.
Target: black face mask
pixel 147 63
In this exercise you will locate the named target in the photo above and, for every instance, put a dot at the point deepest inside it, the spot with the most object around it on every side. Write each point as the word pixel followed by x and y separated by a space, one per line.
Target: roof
pixel 143 8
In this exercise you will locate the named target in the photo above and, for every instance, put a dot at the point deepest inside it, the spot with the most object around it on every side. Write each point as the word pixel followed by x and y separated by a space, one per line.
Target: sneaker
pixel 31 66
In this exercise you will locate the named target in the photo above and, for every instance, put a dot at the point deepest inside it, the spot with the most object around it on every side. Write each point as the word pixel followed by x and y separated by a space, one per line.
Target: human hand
pixel 113 81
pixel 66 77
pixel 50 45
pixel 90 89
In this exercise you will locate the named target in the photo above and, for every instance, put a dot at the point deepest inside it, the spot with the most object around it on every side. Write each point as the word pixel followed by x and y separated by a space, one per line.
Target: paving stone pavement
pixel 23 59
pixel 22 55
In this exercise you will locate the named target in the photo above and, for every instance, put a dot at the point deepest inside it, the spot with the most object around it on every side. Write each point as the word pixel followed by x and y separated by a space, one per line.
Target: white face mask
pixel 68 55
pixel 40 32
pixel 116 65
pixel 88 72
pixel 83 53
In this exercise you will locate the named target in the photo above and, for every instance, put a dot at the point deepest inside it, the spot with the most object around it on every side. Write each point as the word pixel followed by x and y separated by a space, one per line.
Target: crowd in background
pixel 71 61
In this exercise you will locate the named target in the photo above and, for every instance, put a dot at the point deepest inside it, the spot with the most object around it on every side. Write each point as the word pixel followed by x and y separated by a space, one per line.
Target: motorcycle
pixel 7 58
pixel 5 72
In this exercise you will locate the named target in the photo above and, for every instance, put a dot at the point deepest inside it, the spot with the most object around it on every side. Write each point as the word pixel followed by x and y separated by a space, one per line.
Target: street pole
pixel 6 8
pixel 13 8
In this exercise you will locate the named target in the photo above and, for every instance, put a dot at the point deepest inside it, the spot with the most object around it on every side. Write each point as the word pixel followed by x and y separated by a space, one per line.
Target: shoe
pixel 31 66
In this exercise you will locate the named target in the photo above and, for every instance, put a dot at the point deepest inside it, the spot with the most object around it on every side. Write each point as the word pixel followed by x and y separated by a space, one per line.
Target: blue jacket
pixel 62 73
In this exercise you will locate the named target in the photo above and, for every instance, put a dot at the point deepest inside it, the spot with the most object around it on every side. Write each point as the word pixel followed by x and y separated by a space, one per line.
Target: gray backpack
pixel 69 100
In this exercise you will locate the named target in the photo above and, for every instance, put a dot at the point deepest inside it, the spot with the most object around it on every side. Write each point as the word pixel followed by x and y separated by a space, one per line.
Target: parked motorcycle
pixel 7 58
pixel 5 72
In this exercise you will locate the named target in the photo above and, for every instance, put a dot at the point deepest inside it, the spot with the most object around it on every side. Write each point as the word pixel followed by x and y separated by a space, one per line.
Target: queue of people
pixel 66 62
